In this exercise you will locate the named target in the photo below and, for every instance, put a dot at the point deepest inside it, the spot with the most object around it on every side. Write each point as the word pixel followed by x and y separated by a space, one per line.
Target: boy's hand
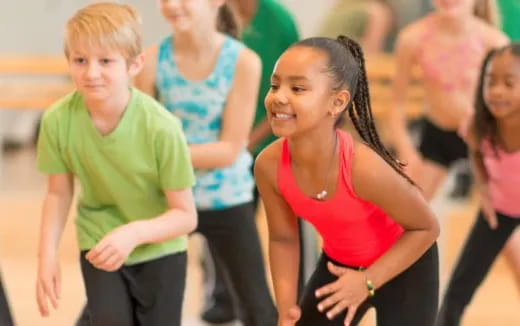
pixel 487 207
pixel 48 284
pixel 111 252
pixel 290 319
pixel 347 292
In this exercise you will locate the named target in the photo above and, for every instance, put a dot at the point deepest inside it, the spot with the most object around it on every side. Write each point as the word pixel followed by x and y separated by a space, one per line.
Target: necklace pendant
pixel 322 194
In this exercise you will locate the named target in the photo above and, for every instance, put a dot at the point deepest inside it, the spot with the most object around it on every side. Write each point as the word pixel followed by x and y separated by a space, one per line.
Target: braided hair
pixel 485 123
pixel 346 65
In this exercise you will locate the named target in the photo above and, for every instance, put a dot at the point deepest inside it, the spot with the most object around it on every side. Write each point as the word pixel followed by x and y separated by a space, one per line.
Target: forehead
pixel 93 47
pixel 301 60
pixel 505 62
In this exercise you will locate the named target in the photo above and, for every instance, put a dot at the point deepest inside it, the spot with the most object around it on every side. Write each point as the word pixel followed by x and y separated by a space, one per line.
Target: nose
pixel 279 97
pixel 93 70
pixel 170 4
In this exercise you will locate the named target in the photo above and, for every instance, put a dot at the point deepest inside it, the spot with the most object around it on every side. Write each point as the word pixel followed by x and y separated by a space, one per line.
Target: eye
pixel 80 60
pixel 274 87
pixel 298 89
pixel 105 61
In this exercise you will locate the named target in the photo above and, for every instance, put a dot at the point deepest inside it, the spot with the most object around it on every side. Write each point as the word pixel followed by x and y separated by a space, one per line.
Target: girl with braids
pixel 378 232
pixel 209 80
pixel 494 144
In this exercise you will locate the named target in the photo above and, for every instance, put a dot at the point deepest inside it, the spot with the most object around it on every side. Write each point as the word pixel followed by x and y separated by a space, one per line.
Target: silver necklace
pixel 323 193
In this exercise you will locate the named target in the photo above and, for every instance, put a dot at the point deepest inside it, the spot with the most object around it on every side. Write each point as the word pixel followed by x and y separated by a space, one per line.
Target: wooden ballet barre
pixel 33 65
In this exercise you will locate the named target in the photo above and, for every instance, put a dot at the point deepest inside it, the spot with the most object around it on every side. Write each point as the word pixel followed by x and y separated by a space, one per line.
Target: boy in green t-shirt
pixel 131 159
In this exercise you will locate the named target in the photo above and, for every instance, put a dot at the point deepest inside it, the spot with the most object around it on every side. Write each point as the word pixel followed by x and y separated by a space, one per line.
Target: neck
pixel 196 42
pixel 111 108
pixel 508 130
pixel 454 24
pixel 247 9
pixel 315 150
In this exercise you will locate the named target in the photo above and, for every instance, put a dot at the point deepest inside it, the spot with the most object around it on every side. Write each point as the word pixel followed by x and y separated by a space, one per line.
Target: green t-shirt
pixel 271 31
pixel 122 174
pixel 510 16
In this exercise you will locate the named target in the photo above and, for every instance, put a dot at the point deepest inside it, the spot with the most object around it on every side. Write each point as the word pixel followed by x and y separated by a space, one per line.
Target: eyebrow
pixel 292 78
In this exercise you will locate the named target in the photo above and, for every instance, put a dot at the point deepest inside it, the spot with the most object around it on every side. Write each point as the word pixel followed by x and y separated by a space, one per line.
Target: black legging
pixel 410 299
pixel 480 251
pixel 234 244
pixel 5 312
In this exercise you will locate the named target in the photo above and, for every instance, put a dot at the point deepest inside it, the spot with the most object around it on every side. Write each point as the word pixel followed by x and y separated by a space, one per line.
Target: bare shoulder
pixel 248 59
pixel 412 33
pixel 266 163
pixel 493 37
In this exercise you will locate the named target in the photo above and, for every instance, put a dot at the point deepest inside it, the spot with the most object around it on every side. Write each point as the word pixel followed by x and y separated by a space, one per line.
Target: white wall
pixel 35 26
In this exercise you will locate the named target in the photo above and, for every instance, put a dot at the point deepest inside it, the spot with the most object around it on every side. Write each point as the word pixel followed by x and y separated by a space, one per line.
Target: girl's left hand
pixel 111 252
pixel 347 292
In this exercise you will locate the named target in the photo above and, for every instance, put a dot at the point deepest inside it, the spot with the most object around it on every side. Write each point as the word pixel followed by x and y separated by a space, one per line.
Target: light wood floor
pixel 21 193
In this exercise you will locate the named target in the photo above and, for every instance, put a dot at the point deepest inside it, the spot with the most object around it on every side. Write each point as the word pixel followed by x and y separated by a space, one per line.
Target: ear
pixel 340 101
pixel 135 65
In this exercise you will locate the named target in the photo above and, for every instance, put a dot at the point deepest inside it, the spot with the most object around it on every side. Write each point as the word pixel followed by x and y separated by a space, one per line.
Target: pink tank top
pixel 355 232
pixel 451 68
pixel 504 179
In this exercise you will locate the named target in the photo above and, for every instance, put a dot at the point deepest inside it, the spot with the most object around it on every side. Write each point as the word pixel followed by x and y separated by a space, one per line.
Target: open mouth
pixel 283 116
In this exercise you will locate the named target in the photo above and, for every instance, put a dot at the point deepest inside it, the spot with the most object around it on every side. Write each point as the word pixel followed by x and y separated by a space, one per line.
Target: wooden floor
pixel 21 193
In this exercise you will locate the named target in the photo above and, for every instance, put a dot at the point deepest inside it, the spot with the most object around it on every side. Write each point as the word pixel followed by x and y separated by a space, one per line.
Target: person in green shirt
pixel 132 161
pixel 509 14
pixel 268 29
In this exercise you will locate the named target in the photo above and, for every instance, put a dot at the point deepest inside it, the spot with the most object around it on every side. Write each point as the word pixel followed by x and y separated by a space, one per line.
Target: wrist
pixel 136 232
pixel 369 284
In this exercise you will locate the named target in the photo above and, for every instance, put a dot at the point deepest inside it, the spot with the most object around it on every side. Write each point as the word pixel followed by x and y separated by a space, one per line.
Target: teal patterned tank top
pixel 200 105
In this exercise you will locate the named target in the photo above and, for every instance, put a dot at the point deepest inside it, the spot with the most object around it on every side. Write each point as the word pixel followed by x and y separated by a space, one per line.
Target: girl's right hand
pixel 487 207
pixel 290 317
pixel 48 284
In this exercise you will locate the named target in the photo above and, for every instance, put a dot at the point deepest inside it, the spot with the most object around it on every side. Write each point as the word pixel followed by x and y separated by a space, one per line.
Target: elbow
pixel 230 156
pixel 192 221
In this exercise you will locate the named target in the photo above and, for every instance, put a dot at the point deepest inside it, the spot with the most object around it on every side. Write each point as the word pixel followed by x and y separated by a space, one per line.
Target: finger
pixel 350 315
pixel 329 302
pixel 49 293
pixel 57 286
pixel 337 309
pixel 41 300
pixel 97 250
pixel 336 270
pixel 327 289
pixel 112 263
pixel 100 258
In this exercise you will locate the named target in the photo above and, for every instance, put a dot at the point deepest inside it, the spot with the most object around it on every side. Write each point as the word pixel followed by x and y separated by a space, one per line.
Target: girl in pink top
pixel 494 142
pixel 378 232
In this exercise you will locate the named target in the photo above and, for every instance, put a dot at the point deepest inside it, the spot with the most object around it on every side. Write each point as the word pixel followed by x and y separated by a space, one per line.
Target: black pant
pixel 410 299
pixel 5 312
pixel 482 247
pixel 146 294
pixel 234 244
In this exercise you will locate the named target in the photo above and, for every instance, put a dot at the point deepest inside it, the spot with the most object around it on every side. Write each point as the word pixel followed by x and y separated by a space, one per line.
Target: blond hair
pixel 487 11
pixel 105 25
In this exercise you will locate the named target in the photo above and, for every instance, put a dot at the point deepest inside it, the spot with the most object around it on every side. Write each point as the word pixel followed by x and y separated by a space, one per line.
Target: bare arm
pixel 180 219
pixel 55 210
pixel 284 252
pixel 237 118
pixel 402 76
pixel 60 190
pixel 379 23
pixel 373 180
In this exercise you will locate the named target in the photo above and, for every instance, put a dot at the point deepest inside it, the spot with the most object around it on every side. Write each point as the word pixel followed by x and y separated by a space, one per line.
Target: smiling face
pixel 185 15
pixel 301 95
pixel 454 8
pixel 502 85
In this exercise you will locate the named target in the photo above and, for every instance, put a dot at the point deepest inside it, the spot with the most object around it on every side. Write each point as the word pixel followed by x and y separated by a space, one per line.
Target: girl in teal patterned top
pixel 210 81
